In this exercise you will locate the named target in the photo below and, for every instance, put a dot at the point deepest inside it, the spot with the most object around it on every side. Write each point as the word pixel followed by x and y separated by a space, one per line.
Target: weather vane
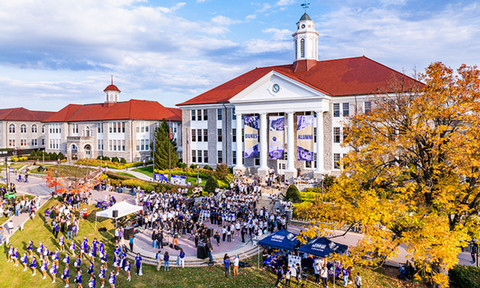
pixel 305 5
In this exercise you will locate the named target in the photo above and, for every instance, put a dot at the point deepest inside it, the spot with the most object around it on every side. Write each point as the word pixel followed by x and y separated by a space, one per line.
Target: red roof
pixel 131 110
pixel 339 77
pixel 111 87
pixel 22 114
pixel 178 114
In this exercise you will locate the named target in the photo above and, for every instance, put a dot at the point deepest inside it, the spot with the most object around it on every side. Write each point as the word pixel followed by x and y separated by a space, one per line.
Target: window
pixel 199 135
pixel 205 135
pixel 34 128
pixel 193 115
pixel 205 114
pixel 336 161
pixel 100 128
pixel 23 142
pixel 234 135
pixel 368 107
pixel 219 114
pixel 336 109
pixel 147 145
pixel 123 127
pixel 23 128
pixel 219 156
pixel 43 142
pixel 234 157
pixel 199 115
pixel 75 128
pixel 219 135
pixel 11 142
pixel 199 154
pixel 11 128
pixel 110 129
pixel 100 144
pixel 296 49
pixel 34 142
pixel 346 109
pixel 205 156
pixel 194 155
pixel 194 135
pixel 146 128
pixel 315 135
pixel 142 146
pixel 336 135
pixel 257 161
pixel 234 116
pixel 302 48
pixel 114 127
pixel 43 128
pixel 123 145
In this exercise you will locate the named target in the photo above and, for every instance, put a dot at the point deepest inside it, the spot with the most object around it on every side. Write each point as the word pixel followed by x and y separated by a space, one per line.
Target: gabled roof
pixel 22 114
pixel 131 110
pixel 338 77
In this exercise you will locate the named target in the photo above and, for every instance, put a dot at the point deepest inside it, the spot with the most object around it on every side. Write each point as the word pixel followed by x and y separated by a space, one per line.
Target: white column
pixel 320 153
pixel 263 142
pixel 239 164
pixel 290 143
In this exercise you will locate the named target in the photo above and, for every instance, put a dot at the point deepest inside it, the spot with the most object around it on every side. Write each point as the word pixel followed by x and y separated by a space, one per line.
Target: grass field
pixel 11 276
pixel 125 174
pixel 149 172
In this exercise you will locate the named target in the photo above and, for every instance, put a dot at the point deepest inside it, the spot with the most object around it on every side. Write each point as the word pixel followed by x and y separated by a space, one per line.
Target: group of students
pixel 48 262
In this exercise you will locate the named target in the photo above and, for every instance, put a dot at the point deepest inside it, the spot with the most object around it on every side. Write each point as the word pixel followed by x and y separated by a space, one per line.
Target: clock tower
pixel 305 45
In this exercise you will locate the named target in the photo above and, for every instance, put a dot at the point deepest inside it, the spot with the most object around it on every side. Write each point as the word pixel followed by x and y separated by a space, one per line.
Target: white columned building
pixel 271 100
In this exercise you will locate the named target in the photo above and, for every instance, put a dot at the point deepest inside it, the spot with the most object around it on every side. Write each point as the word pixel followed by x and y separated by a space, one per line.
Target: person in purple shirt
pixel 90 269
pixel 30 248
pixel 72 248
pixel 56 256
pixel 138 262
pixel 53 272
pixel 33 265
pixel 44 268
pixel 92 283
pixel 61 243
pixel 101 275
pixel 111 279
pixel 78 279
pixel 66 275
pixel 15 257
pixel 226 262
pixel 77 263
pixel 24 261
pixel 128 267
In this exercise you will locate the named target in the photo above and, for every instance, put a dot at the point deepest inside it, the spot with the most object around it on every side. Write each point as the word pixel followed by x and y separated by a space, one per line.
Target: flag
pixel 171 133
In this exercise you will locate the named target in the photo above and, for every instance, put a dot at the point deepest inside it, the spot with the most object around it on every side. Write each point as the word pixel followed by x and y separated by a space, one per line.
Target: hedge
pixel 110 164
pixel 19 159
pixel 202 173
pixel 463 276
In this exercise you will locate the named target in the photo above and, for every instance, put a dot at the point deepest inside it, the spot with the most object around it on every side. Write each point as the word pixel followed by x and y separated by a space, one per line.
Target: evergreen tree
pixel 162 144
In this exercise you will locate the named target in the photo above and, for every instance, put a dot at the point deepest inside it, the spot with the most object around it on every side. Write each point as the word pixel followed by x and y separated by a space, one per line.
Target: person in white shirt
pixel 236 264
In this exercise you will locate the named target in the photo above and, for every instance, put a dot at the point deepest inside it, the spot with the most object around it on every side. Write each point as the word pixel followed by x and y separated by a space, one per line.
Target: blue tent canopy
pixel 322 247
pixel 280 240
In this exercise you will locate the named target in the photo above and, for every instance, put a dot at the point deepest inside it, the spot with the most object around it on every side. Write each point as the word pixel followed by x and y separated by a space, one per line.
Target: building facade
pixel 22 130
pixel 111 129
pixel 264 119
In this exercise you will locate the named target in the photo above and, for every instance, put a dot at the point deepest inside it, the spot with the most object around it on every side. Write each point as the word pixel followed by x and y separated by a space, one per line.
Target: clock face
pixel 303 26
pixel 275 88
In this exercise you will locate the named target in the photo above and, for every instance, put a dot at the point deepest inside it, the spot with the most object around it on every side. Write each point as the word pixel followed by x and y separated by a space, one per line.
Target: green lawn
pixel 35 230
pixel 125 174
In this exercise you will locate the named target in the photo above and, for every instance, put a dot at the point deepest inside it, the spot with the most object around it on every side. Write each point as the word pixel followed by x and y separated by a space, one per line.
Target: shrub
pixel 34 153
pixel 462 276
pixel 106 158
pixel 182 165
pixel 99 157
pixel 123 161
pixel 60 156
pixel 293 194
pixel 53 156
pixel 193 166
pixel 221 171
pixel 206 167
pixel 212 184
pixel 302 210
pixel 115 159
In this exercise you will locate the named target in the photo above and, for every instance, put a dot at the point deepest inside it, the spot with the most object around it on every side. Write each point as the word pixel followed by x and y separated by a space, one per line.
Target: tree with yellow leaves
pixel 412 176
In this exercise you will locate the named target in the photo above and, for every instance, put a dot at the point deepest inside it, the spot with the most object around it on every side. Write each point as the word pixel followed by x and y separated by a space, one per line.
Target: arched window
pixel 302 48
pixel 11 128
pixel 43 128
pixel 87 131
pixel 296 49
pixel 23 128
pixel 34 128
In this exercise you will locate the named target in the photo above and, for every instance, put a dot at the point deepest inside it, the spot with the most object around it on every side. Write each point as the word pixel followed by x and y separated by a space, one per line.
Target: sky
pixel 57 52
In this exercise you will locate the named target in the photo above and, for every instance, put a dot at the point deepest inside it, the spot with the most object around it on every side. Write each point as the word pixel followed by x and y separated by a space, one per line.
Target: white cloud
pixel 279 34
pixel 250 17
pixel 285 2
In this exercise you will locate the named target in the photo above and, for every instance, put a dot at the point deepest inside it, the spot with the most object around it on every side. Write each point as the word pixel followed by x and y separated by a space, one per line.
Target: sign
pixel 12 170
pixel 159 177
pixel 276 146
pixel 251 136
pixel 305 137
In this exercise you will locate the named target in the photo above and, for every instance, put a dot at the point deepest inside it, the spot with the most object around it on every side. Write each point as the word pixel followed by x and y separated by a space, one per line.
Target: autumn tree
pixel 165 150
pixel 412 176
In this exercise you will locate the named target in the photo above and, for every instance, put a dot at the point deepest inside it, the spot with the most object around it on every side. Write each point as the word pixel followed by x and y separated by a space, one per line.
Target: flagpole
pixel 154 136
pixel 170 136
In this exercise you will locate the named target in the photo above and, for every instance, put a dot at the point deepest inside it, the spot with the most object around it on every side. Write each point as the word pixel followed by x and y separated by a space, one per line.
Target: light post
pixel 7 172
pixel 198 177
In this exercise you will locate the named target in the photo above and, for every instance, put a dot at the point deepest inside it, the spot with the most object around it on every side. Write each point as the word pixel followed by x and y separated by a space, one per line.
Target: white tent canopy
pixel 123 209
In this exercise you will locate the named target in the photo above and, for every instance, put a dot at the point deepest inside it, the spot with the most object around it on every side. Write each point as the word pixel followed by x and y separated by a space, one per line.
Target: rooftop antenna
pixel 111 79
pixel 305 5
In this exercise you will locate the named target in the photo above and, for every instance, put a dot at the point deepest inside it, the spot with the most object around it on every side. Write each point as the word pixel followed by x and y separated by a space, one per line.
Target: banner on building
pixel 251 136
pixel 305 137
pixel 276 146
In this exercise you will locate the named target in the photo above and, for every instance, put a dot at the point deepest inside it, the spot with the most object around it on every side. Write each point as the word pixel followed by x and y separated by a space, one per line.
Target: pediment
pixel 276 87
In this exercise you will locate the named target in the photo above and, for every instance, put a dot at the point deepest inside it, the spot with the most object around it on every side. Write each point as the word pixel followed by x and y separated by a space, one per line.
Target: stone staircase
pixel 148 257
